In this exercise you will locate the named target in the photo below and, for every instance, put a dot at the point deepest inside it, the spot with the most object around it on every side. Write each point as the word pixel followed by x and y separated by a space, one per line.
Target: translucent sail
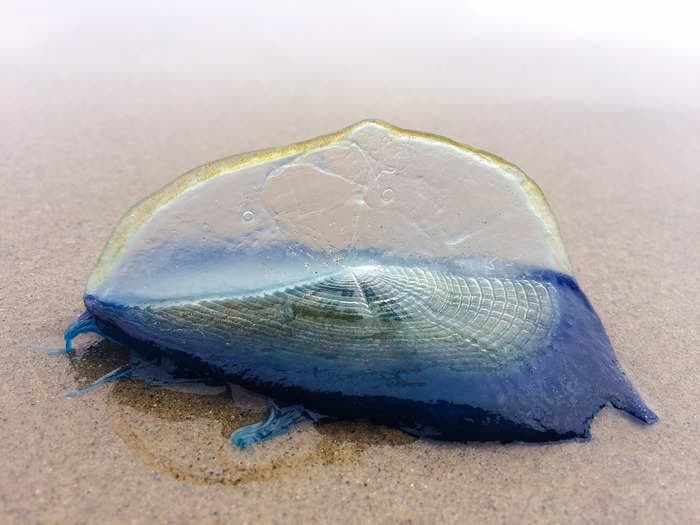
pixel 371 187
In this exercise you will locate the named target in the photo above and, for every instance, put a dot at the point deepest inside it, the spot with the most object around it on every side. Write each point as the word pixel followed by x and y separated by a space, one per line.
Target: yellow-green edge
pixel 138 214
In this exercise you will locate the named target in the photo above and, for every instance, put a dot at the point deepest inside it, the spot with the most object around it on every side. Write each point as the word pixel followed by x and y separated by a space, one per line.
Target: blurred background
pixel 177 84
pixel 299 68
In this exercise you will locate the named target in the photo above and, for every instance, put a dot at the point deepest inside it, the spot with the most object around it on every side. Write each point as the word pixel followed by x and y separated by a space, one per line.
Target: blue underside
pixel 551 394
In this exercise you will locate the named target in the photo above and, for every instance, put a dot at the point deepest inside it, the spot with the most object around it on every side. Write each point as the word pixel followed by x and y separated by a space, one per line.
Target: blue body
pixel 550 394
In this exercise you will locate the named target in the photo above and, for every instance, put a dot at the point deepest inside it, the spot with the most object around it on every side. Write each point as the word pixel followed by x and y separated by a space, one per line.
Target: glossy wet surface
pixel 610 135
pixel 181 425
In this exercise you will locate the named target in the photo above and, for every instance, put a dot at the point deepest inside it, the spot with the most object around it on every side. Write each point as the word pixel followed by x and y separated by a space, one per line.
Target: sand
pixel 100 108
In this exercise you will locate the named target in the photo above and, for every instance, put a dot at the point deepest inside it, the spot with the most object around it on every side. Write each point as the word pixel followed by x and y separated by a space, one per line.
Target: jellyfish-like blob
pixel 375 272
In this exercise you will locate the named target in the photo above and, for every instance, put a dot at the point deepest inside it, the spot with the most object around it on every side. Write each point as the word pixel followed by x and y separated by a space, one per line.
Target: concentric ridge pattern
pixel 381 313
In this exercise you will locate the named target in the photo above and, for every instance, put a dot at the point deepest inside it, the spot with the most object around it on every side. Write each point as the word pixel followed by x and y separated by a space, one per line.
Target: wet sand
pixel 93 122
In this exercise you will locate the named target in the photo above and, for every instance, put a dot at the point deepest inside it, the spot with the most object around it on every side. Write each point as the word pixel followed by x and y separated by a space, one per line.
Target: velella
pixel 373 273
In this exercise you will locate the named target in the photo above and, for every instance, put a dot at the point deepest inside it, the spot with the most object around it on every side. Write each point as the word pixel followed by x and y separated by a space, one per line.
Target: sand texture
pixel 100 108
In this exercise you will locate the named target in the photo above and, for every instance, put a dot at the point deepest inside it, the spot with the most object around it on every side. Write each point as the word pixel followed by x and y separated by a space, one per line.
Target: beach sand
pixel 99 109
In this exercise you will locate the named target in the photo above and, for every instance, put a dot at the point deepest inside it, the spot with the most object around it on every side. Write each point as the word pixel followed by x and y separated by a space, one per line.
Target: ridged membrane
pixel 382 313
